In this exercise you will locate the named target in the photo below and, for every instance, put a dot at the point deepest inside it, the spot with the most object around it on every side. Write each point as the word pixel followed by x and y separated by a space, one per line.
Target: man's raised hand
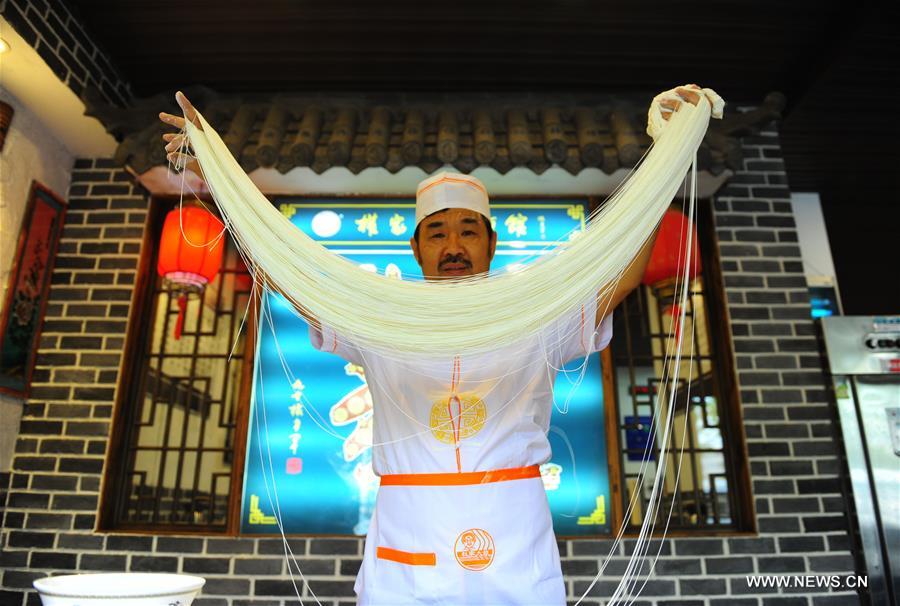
pixel 175 142
pixel 689 93
pixel 665 104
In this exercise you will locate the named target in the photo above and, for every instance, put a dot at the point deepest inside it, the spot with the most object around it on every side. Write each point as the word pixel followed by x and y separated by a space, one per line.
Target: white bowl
pixel 119 589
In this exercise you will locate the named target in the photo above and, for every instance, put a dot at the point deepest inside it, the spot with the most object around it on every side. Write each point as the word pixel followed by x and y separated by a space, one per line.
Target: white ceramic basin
pixel 121 589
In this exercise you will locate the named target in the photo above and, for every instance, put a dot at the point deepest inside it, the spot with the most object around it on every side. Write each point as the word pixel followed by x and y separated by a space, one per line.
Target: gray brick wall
pixel 54 483
pixel 57 34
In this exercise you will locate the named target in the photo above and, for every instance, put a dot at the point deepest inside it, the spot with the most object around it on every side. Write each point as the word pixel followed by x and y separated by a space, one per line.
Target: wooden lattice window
pixel 177 453
pixel 712 492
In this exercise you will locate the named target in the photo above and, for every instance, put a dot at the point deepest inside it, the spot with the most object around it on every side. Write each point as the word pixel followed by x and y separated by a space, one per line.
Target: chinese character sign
pixel 310 438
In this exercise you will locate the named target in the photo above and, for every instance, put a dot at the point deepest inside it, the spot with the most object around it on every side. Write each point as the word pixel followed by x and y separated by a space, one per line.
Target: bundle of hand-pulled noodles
pixel 465 315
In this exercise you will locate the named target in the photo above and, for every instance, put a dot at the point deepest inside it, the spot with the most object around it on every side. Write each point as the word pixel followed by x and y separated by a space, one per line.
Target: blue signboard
pixel 823 301
pixel 309 457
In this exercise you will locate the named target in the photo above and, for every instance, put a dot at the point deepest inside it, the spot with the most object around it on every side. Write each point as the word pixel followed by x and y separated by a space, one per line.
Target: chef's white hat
pixel 451 190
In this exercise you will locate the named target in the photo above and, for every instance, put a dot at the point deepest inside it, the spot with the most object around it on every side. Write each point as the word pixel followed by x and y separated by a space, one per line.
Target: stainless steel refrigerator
pixel 864 358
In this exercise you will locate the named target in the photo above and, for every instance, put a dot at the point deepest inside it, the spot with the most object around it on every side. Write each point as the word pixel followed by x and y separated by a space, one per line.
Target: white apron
pixel 461 516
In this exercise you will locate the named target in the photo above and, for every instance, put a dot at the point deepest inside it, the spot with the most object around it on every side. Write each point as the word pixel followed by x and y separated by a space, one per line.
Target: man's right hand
pixel 667 103
pixel 175 141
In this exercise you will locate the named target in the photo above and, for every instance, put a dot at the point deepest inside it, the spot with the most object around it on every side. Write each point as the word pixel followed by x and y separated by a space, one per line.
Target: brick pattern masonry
pixel 57 35
pixel 54 484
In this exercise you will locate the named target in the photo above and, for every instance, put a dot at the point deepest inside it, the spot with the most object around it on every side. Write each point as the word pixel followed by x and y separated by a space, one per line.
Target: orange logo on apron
pixel 474 549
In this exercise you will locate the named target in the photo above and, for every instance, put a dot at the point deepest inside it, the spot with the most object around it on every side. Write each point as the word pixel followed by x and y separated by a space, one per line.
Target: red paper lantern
pixel 668 258
pixel 190 252
pixel 190 258
pixel 670 248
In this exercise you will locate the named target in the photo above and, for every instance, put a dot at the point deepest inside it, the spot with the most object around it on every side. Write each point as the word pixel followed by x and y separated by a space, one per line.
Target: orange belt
pixel 461 479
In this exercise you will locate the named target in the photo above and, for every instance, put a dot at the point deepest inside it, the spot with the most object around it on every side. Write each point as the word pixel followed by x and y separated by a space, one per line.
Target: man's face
pixel 452 243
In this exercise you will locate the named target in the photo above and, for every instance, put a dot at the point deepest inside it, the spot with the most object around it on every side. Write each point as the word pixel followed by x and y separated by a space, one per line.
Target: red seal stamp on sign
pixel 474 549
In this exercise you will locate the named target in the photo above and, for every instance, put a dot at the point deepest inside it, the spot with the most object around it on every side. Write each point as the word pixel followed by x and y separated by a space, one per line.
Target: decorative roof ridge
pixel 395 130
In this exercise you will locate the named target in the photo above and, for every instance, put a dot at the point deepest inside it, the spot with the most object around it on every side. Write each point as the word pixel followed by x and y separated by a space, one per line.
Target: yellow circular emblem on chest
pixel 457 417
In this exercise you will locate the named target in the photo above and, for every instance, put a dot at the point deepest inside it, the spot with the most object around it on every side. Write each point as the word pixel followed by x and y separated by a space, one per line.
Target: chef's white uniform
pixel 444 531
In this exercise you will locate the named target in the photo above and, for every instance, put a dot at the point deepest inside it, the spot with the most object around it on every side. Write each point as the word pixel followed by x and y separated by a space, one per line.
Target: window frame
pixel 721 349
pixel 139 329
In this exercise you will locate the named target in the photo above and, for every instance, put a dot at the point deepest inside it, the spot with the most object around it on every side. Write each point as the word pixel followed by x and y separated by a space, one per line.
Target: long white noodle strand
pixel 410 318
pixel 664 450
pixel 274 503
pixel 625 591
pixel 329 274
pixel 641 544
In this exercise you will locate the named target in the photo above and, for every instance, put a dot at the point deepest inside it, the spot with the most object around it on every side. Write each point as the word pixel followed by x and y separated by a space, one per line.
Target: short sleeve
pixel 327 340
pixel 575 335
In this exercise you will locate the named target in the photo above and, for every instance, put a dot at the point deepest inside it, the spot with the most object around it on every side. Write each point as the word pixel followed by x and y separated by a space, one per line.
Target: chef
pixel 461 515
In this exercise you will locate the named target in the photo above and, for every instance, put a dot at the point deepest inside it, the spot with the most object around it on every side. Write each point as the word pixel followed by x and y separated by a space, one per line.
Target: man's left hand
pixel 690 93
pixel 665 104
